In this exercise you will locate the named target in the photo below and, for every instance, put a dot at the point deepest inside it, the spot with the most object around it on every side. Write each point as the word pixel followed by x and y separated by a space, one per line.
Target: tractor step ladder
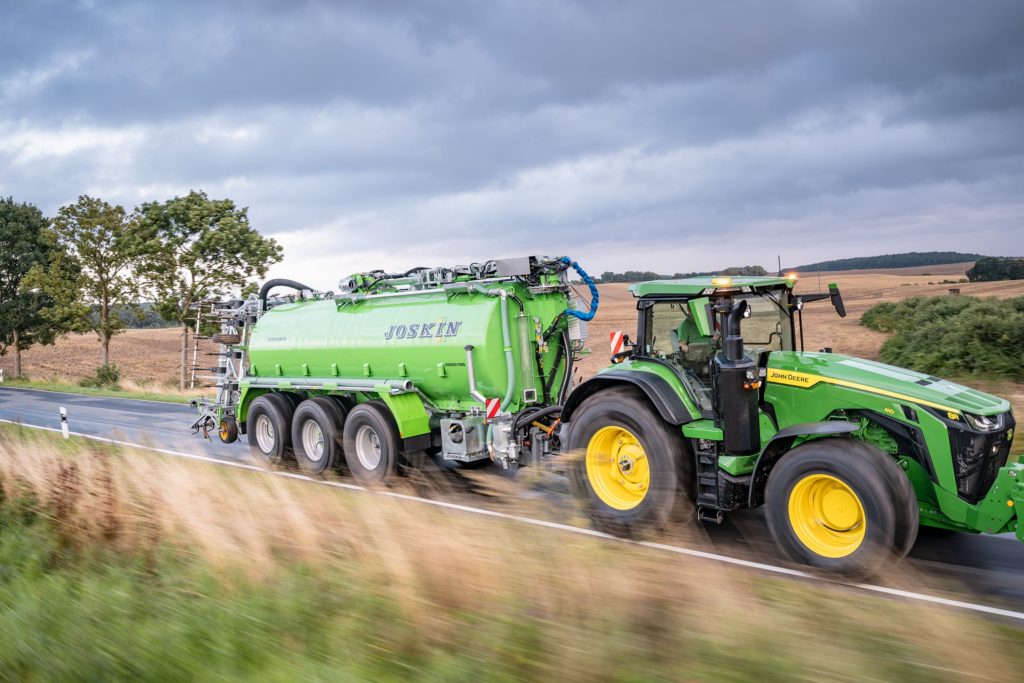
pixel 708 505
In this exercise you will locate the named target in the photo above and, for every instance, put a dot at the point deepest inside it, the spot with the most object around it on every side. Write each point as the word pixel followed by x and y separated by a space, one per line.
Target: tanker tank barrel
pixel 427 350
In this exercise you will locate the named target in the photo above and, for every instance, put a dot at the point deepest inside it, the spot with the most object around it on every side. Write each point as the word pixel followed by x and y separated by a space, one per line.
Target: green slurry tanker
pixel 713 408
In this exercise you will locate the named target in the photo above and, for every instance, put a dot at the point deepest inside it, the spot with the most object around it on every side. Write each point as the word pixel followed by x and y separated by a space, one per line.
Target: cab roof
pixel 702 285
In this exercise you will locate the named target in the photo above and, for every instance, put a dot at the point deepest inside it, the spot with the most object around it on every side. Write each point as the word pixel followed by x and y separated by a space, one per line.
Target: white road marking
pixel 679 550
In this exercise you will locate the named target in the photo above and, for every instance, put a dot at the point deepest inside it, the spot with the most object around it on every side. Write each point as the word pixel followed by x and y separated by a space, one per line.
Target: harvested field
pixel 149 356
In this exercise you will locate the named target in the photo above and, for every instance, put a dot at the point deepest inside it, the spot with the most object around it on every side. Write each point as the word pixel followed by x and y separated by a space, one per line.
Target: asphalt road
pixel 989 567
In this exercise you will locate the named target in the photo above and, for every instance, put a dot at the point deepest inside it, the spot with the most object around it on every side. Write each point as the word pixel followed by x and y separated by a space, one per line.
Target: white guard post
pixel 64 422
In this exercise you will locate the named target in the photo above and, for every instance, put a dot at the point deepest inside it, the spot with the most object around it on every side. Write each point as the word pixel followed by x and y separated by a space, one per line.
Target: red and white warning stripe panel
pixel 493 407
pixel 616 340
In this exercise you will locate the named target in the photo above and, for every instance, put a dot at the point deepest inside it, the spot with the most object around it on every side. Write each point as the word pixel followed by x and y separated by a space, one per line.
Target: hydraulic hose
pixel 279 282
pixel 594 296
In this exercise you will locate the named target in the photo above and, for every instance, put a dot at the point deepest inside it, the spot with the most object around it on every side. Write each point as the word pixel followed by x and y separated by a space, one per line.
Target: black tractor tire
pixel 838 506
pixel 268 426
pixel 226 339
pixel 615 494
pixel 316 435
pixel 908 516
pixel 372 446
pixel 228 429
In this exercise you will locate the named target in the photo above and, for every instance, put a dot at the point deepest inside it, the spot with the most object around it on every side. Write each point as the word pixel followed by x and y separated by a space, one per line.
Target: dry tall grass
pixel 436 564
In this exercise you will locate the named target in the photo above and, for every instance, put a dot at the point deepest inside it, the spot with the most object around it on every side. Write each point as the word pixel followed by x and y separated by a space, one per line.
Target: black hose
pixel 554 367
pixel 534 415
pixel 279 282
pixel 568 369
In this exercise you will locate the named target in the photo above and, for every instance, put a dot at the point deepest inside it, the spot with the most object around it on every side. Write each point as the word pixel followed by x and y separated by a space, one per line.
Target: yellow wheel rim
pixel 617 468
pixel 827 516
pixel 223 429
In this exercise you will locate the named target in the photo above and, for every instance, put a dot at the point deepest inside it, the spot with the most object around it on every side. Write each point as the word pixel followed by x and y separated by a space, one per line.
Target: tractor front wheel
pixel 840 506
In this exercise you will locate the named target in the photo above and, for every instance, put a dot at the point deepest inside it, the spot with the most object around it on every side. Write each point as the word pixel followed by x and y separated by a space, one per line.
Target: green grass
pixel 119 566
pixel 168 395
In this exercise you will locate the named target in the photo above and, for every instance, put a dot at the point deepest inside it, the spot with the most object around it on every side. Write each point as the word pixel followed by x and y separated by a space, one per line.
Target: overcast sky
pixel 669 136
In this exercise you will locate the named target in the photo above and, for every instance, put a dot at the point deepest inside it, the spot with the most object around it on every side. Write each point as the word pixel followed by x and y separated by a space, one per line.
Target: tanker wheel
pixel 268 425
pixel 371 443
pixel 316 432
pixel 627 468
pixel 838 505
pixel 228 430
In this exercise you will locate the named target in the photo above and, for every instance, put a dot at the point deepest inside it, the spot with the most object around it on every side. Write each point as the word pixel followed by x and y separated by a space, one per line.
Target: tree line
pixel 89 267
pixel 996 268
pixel 908 259
pixel 647 275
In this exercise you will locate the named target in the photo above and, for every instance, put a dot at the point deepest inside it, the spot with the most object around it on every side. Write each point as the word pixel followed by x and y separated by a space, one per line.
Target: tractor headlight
pixel 983 423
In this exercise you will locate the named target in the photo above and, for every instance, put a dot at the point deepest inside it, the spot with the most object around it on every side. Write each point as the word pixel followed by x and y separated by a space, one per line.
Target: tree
pixel 22 247
pixel 108 252
pixel 205 248
pixel 993 268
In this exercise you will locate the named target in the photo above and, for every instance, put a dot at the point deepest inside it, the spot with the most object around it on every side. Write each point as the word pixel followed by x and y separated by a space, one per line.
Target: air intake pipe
pixel 736 386
pixel 733 342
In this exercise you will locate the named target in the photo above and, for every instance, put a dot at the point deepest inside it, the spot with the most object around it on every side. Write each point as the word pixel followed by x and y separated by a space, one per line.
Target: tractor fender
pixel 780 444
pixel 660 393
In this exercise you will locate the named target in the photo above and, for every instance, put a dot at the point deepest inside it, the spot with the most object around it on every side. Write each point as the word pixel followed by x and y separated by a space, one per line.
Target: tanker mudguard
pixel 781 442
pixel 657 389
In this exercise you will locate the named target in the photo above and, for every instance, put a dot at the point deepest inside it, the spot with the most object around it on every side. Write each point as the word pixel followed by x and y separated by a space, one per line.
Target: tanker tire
pixel 268 426
pixel 316 432
pixel 371 443
pixel 865 471
pixel 623 409
pixel 226 339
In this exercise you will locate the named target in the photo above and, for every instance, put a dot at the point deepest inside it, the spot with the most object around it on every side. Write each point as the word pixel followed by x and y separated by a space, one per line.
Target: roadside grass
pixel 149 391
pixel 120 565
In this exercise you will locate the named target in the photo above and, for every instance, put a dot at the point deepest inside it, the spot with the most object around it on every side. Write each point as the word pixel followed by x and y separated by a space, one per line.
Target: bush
pixel 953 335
pixel 106 376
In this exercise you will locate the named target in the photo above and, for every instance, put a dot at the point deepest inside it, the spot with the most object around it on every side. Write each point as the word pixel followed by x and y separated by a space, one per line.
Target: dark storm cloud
pixel 455 129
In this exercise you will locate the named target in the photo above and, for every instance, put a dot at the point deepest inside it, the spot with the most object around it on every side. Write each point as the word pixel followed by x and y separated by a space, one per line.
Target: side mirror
pixel 837 299
pixel 700 309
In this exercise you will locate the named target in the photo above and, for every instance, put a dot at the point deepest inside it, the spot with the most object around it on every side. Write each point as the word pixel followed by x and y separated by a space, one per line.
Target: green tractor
pixel 713 409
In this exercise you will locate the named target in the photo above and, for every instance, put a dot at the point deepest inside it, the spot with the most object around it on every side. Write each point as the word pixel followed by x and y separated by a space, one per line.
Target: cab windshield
pixel 671 334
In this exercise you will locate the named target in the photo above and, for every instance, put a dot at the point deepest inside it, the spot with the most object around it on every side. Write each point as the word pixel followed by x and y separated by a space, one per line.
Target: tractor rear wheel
pixel 838 505
pixel 627 463
pixel 371 443
pixel 268 426
pixel 316 434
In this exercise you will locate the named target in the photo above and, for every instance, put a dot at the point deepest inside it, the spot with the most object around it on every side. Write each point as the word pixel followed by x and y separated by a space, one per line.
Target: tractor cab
pixel 681 323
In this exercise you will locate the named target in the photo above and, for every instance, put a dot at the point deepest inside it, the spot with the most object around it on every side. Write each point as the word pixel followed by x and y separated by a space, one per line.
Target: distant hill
pixel 647 275
pixel 906 260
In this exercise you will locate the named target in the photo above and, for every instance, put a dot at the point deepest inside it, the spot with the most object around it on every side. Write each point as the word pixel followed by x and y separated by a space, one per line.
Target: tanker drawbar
pixel 467 363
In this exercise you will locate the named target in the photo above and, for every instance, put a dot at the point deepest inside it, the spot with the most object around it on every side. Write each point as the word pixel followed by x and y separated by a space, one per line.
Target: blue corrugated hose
pixel 583 315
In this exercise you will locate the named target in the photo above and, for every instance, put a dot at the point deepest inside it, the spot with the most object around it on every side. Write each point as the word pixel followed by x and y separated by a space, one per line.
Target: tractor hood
pixel 808 369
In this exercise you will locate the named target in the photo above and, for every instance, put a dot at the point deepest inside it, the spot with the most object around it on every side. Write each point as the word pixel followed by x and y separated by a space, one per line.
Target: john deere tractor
pixel 713 408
